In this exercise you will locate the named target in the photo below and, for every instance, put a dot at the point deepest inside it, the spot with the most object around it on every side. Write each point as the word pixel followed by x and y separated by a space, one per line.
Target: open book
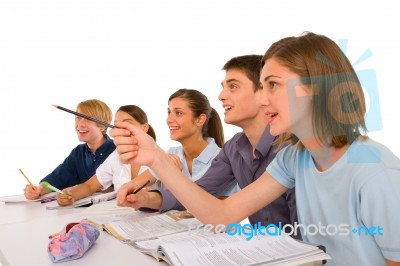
pixel 95 198
pixel 21 198
pixel 198 248
pixel 142 226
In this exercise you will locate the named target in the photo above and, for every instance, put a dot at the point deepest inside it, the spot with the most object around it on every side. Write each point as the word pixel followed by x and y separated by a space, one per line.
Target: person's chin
pixel 274 131
pixel 81 138
pixel 228 120
pixel 174 138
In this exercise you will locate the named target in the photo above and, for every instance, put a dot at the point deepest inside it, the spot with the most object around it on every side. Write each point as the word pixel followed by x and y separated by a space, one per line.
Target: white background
pixel 140 52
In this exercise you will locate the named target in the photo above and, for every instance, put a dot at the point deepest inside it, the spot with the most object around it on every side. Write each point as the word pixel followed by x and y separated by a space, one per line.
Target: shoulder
pixel 373 164
pixel 288 158
pixel 79 149
pixel 209 152
pixel 113 157
pixel 291 151
pixel 109 142
pixel 175 150
pixel 233 141
pixel 212 147
pixel 371 152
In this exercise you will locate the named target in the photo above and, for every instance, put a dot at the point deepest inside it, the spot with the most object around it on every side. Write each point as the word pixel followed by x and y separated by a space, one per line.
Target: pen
pixel 48 186
pixel 27 179
pixel 140 188
pixel 84 116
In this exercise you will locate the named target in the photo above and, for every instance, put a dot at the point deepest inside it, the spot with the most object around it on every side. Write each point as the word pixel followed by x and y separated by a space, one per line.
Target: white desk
pixel 22 212
pixel 24 231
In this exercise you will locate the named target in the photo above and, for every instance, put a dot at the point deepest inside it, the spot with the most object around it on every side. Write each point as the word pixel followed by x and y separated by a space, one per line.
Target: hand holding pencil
pixel 32 194
pixel 129 194
pixel 31 191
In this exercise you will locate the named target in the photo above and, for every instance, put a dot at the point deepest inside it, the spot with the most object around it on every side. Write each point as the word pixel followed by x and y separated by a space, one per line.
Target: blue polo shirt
pixel 80 165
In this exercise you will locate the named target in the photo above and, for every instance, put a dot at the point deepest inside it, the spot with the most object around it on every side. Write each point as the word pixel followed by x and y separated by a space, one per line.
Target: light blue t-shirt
pixel 200 164
pixel 352 208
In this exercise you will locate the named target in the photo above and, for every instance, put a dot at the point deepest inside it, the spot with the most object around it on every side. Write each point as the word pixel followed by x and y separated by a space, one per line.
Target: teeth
pixel 227 108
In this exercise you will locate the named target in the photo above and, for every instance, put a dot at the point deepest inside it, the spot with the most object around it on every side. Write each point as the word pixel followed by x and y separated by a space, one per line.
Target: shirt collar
pixel 264 145
pixel 102 148
pixel 207 154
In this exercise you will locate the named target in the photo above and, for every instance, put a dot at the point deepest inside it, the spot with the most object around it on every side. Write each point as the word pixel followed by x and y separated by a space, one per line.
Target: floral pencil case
pixel 73 241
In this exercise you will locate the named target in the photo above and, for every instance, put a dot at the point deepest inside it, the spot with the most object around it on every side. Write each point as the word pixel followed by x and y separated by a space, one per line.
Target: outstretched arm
pixel 134 146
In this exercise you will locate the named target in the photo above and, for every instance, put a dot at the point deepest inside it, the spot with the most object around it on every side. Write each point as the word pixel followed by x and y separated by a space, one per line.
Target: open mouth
pixel 227 108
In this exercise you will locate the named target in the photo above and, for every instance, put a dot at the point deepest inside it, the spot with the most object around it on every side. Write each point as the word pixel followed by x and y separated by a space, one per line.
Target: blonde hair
pixel 96 109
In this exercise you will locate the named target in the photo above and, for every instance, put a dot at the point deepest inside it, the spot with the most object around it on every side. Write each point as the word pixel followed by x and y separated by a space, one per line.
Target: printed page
pixel 108 212
pixel 223 249
pixel 95 198
pixel 107 207
pixel 99 197
pixel 21 198
pixel 135 229
pixel 54 205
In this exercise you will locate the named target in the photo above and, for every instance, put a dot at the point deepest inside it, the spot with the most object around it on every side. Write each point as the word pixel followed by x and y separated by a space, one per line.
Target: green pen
pixel 50 187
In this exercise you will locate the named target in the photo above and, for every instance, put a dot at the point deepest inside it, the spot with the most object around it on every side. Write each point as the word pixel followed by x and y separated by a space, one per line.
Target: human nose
pixel 222 95
pixel 79 121
pixel 169 118
pixel 264 97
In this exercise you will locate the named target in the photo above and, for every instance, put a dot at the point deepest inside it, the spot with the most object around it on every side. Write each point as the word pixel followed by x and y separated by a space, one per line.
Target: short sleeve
pixel 380 200
pixel 283 166
pixel 107 170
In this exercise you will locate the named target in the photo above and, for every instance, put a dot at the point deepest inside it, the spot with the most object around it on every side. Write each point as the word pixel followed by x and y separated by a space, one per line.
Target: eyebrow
pixel 124 120
pixel 229 81
pixel 268 77
pixel 175 108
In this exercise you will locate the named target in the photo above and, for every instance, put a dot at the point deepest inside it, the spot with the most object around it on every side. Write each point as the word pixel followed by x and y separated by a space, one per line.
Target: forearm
pixel 44 190
pixel 81 191
pixel 141 179
pixel 85 189
pixel 201 204
pixel 207 208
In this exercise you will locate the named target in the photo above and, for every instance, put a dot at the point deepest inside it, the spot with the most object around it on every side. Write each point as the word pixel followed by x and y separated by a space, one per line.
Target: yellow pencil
pixel 27 179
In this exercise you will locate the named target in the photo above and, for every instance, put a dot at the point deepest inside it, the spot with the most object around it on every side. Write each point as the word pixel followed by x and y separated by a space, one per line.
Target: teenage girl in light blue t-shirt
pixel 347 185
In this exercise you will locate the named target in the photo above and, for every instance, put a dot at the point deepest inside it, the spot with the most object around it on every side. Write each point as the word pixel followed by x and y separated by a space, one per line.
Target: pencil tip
pixel 55 105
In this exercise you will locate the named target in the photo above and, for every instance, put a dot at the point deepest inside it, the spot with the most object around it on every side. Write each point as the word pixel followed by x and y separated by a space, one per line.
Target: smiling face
pixel 287 102
pixel 88 131
pixel 240 99
pixel 182 125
